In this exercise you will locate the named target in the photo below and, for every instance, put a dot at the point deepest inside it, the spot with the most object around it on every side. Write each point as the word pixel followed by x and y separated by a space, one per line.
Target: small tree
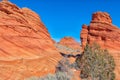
pixel 96 64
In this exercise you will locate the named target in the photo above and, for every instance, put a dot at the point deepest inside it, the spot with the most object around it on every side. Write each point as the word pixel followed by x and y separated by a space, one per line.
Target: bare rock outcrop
pixel 103 32
pixel 26 48
pixel 84 35
pixel 70 42
pixel 101 17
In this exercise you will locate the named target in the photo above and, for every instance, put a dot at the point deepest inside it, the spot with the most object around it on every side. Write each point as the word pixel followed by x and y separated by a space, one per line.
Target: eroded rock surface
pixel 26 48
pixel 70 42
pixel 102 31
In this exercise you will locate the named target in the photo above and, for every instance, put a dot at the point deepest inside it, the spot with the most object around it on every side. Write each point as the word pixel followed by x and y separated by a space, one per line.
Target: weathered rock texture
pixel 102 31
pixel 84 35
pixel 70 42
pixel 26 48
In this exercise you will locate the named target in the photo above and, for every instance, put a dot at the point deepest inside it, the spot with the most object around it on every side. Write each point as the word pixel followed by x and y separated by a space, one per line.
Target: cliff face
pixel 26 48
pixel 102 31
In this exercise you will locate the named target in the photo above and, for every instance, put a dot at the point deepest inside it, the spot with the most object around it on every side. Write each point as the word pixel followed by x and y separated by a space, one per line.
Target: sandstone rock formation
pixel 102 31
pixel 69 48
pixel 54 42
pixel 70 42
pixel 101 17
pixel 26 48
pixel 84 35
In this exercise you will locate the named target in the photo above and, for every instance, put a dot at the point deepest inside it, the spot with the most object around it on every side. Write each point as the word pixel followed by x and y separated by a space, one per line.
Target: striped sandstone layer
pixel 26 48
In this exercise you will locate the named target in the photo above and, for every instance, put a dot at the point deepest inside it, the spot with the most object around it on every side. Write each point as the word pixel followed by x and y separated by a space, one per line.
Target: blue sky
pixel 65 17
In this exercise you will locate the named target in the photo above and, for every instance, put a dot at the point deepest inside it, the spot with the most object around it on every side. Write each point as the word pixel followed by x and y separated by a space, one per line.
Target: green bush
pixel 96 64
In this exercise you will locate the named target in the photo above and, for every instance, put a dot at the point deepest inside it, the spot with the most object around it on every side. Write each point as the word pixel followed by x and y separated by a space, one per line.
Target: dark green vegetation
pixel 96 64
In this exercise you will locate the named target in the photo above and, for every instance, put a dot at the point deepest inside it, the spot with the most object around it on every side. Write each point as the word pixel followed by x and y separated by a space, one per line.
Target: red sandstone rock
pixel 54 42
pixel 102 31
pixel 26 48
pixel 101 17
pixel 70 42
pixel 84 35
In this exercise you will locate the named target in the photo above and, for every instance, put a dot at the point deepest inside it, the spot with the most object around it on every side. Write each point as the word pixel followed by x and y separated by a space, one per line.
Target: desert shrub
pixel 63 69
pixel 63 76
pixel 63 65
pixel 56 76
pixel 33 78
pixel 49 77
pixel 96 64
